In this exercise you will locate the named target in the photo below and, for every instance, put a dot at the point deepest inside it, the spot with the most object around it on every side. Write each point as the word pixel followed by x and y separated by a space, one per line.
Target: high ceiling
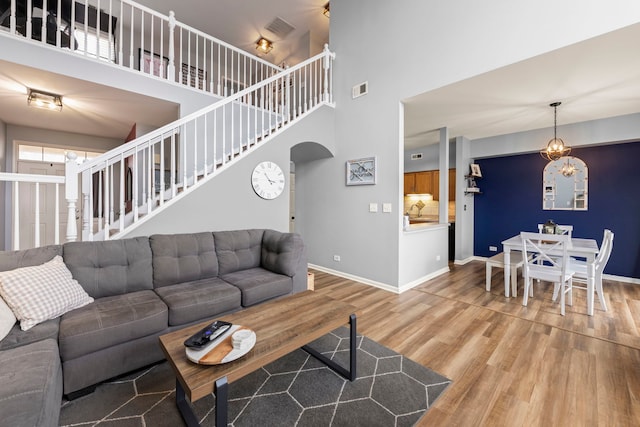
pixel 241 23
pixel 594 79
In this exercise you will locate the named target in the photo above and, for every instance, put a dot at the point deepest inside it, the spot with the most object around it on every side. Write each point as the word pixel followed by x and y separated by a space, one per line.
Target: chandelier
pixel 555 147
pixel 568 169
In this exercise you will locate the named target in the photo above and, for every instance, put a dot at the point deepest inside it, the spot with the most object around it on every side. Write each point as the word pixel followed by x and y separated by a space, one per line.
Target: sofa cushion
pixel 41 292
pixel 281 252
pixel 42 331
pixel 179 258
pixel 200 299
pixel 31 378
pixel 258 284
pixel 238 249
pixel 110 321
pixel 10 260
pixel 112 267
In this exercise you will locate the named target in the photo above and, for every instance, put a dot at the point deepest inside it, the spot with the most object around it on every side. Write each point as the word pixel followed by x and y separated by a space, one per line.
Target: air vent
pixel 416 156
pixel 280 28
pixel 360 89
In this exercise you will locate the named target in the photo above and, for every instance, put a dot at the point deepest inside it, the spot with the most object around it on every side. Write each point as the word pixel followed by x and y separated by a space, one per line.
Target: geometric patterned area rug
pixel 296 390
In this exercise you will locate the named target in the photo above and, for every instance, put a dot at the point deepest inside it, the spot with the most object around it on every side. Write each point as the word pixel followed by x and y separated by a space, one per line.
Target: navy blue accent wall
pixel 511 201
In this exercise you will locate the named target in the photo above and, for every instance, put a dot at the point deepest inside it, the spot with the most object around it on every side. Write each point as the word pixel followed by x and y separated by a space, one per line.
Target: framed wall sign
pixel 194 77
pixel 155 65
pixel 361 171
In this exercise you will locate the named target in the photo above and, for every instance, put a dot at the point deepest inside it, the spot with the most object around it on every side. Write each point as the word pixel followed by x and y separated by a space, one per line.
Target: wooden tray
pixel 221 350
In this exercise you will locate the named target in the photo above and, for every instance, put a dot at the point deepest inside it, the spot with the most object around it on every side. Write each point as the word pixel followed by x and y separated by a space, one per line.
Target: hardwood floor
pixel 510 365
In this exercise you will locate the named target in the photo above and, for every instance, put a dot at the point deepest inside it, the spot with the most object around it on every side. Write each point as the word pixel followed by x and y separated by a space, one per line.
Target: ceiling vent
pixel 280 28
pixel 416 156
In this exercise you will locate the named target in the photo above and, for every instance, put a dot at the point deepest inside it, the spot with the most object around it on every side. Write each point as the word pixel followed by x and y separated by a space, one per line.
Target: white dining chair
pixel 566 229
pixel 581 269
pixel 549 262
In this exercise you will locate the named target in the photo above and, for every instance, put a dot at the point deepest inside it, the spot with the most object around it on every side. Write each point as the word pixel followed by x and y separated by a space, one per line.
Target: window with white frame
pixel 38 153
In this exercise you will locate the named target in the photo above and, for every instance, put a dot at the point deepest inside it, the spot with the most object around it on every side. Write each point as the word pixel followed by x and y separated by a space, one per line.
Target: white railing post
pixel 12 19
pixel 87 209
pixel 16 216
pixel 171 68
pixel 71 194
pixel 326 65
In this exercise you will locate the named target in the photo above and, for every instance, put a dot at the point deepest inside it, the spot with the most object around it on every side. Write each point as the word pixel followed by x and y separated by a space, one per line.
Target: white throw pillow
pixel 42 292
pixel 7 319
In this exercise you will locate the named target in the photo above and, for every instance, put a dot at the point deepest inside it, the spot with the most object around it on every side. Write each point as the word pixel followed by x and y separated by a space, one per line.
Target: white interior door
pixel 47 194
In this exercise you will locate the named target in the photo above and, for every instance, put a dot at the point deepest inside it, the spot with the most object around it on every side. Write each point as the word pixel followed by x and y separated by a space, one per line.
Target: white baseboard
pixel 621 279
pixel 380 285
pixel 423 279
pixel 467 260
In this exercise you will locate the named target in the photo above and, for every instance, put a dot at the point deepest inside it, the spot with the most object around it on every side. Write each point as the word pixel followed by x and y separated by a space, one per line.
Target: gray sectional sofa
pixel 142 287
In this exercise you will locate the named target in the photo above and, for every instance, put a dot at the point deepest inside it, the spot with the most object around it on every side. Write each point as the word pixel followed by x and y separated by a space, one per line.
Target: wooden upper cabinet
pixel 435 187
pixel 428 182
pixel 424 182
pixel 409 183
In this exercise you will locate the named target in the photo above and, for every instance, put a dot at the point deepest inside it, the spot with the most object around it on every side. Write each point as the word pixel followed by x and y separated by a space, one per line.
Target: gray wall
pixel 430 158
pixel 418 47
pixel 228 201
pixel 594 132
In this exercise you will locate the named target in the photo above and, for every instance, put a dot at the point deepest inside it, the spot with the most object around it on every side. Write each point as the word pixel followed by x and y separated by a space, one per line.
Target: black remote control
pixel 208 334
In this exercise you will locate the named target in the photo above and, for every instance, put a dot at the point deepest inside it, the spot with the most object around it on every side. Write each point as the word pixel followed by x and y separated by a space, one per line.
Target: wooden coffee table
pixel 281 326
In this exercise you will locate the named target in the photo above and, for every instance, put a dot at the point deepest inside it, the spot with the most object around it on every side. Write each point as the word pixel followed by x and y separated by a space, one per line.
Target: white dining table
pixel 583 248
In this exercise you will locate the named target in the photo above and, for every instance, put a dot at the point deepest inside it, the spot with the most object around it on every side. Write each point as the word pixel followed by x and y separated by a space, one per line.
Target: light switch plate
pixel 386 207
pixel 373 207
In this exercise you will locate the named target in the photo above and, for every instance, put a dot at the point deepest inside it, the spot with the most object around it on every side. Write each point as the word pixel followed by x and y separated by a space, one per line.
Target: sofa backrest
pixel 10 260
pixel 238 249
pixel 111 267
pixel 281 252
pixel 179 258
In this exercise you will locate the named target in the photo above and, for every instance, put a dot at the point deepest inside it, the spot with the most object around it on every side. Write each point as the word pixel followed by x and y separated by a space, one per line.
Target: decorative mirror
pixel 565 185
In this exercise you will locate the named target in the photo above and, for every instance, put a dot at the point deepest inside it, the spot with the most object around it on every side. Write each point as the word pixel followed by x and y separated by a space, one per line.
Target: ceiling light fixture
pixel 325 10
pixel 45 100
pixel 264 45
pixel 555 147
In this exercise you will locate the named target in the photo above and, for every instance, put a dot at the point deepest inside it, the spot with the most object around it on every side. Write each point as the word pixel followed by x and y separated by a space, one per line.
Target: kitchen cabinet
pixel 429 182
pixel 418 182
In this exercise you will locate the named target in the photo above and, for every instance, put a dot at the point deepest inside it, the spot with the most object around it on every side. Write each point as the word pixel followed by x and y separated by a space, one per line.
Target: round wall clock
pixel 267 180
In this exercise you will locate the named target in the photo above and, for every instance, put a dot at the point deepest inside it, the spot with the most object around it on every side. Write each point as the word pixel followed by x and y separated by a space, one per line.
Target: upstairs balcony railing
pixel 138 38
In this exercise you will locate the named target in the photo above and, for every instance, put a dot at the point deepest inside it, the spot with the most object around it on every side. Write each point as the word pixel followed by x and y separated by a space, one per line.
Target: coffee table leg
pixel 222 400
pixel 351 373
pixel 183 406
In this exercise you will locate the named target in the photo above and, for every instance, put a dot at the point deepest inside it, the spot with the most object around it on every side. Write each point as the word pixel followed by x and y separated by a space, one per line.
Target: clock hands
pixel 268 179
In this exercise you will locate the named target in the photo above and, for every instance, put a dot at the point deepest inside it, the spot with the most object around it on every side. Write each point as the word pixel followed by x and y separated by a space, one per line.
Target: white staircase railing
pixel 138 38
pixel 35 218
pixel 127 185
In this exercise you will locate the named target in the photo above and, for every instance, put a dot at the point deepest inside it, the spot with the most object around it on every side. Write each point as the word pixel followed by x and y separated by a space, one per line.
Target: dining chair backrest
pixel 545 256
pixel 565 229
pixel 605 250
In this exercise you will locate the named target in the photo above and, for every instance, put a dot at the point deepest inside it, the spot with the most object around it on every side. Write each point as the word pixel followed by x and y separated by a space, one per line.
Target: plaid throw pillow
pixel 42 292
